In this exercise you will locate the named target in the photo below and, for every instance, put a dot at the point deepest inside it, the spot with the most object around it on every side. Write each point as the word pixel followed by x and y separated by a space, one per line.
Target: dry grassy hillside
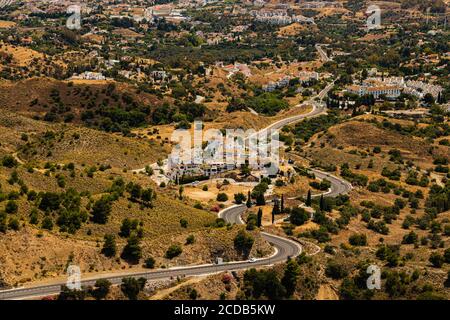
pixel 88 102
pixel 365 136
pixel 40 142
pixel 353 142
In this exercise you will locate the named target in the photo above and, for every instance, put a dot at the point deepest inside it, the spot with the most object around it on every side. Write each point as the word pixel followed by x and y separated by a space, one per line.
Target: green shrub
pixel 174 251
pixel 150 263
pixel 335 270
pixel 358 239
pixel 222 197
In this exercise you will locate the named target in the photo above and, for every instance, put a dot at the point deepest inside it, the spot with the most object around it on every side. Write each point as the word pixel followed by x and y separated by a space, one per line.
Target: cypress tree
pixel 259 220
pixel 249 200
pixel 260 200
pixel 275 210
pixel 308 199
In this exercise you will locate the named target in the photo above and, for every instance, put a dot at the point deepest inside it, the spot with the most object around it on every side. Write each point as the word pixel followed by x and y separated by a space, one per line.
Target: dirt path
pixel 327 292
pixel 438 179
pixel 165 292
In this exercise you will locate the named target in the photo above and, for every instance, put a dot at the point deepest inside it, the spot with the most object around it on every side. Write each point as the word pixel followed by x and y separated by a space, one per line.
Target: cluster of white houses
pixel 279 17
pixel 393 87
pixel 211 169
pixel 303 76
pixel 218 158
pixel 377 91
pixel 232 69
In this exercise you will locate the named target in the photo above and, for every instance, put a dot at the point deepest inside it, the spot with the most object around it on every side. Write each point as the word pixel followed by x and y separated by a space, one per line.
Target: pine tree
pixel 308 199
pixel 260 200
pixel 101 210
pixel 132 252
pixel 147 196
pixel 101 290
pixel 289 280
pixel 109 246
pixel 259 220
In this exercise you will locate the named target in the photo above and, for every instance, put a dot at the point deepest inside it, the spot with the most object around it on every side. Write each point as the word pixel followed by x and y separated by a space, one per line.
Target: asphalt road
pixel 318 109
pixel 338 185
pixel 323 55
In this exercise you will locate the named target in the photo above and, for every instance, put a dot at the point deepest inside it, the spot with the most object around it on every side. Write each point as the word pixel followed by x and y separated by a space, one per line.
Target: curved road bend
pixel 284 248
pixel 318 109
pixel 338 185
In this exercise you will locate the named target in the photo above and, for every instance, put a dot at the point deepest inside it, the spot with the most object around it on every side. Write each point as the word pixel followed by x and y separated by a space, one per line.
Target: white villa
pixel 87 75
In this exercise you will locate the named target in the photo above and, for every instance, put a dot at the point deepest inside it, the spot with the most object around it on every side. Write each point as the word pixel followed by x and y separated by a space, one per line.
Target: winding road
pixel 284 248
pixel 338 185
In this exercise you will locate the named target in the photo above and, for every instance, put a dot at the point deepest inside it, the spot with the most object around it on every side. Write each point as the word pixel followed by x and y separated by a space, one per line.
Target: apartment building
pixel 390 91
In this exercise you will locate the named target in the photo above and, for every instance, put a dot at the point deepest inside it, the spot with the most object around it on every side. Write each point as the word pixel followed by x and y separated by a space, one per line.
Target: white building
pixel 392 87
pixel 390 91
pixel 272 86
pixel 88 75
pixel 306 76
